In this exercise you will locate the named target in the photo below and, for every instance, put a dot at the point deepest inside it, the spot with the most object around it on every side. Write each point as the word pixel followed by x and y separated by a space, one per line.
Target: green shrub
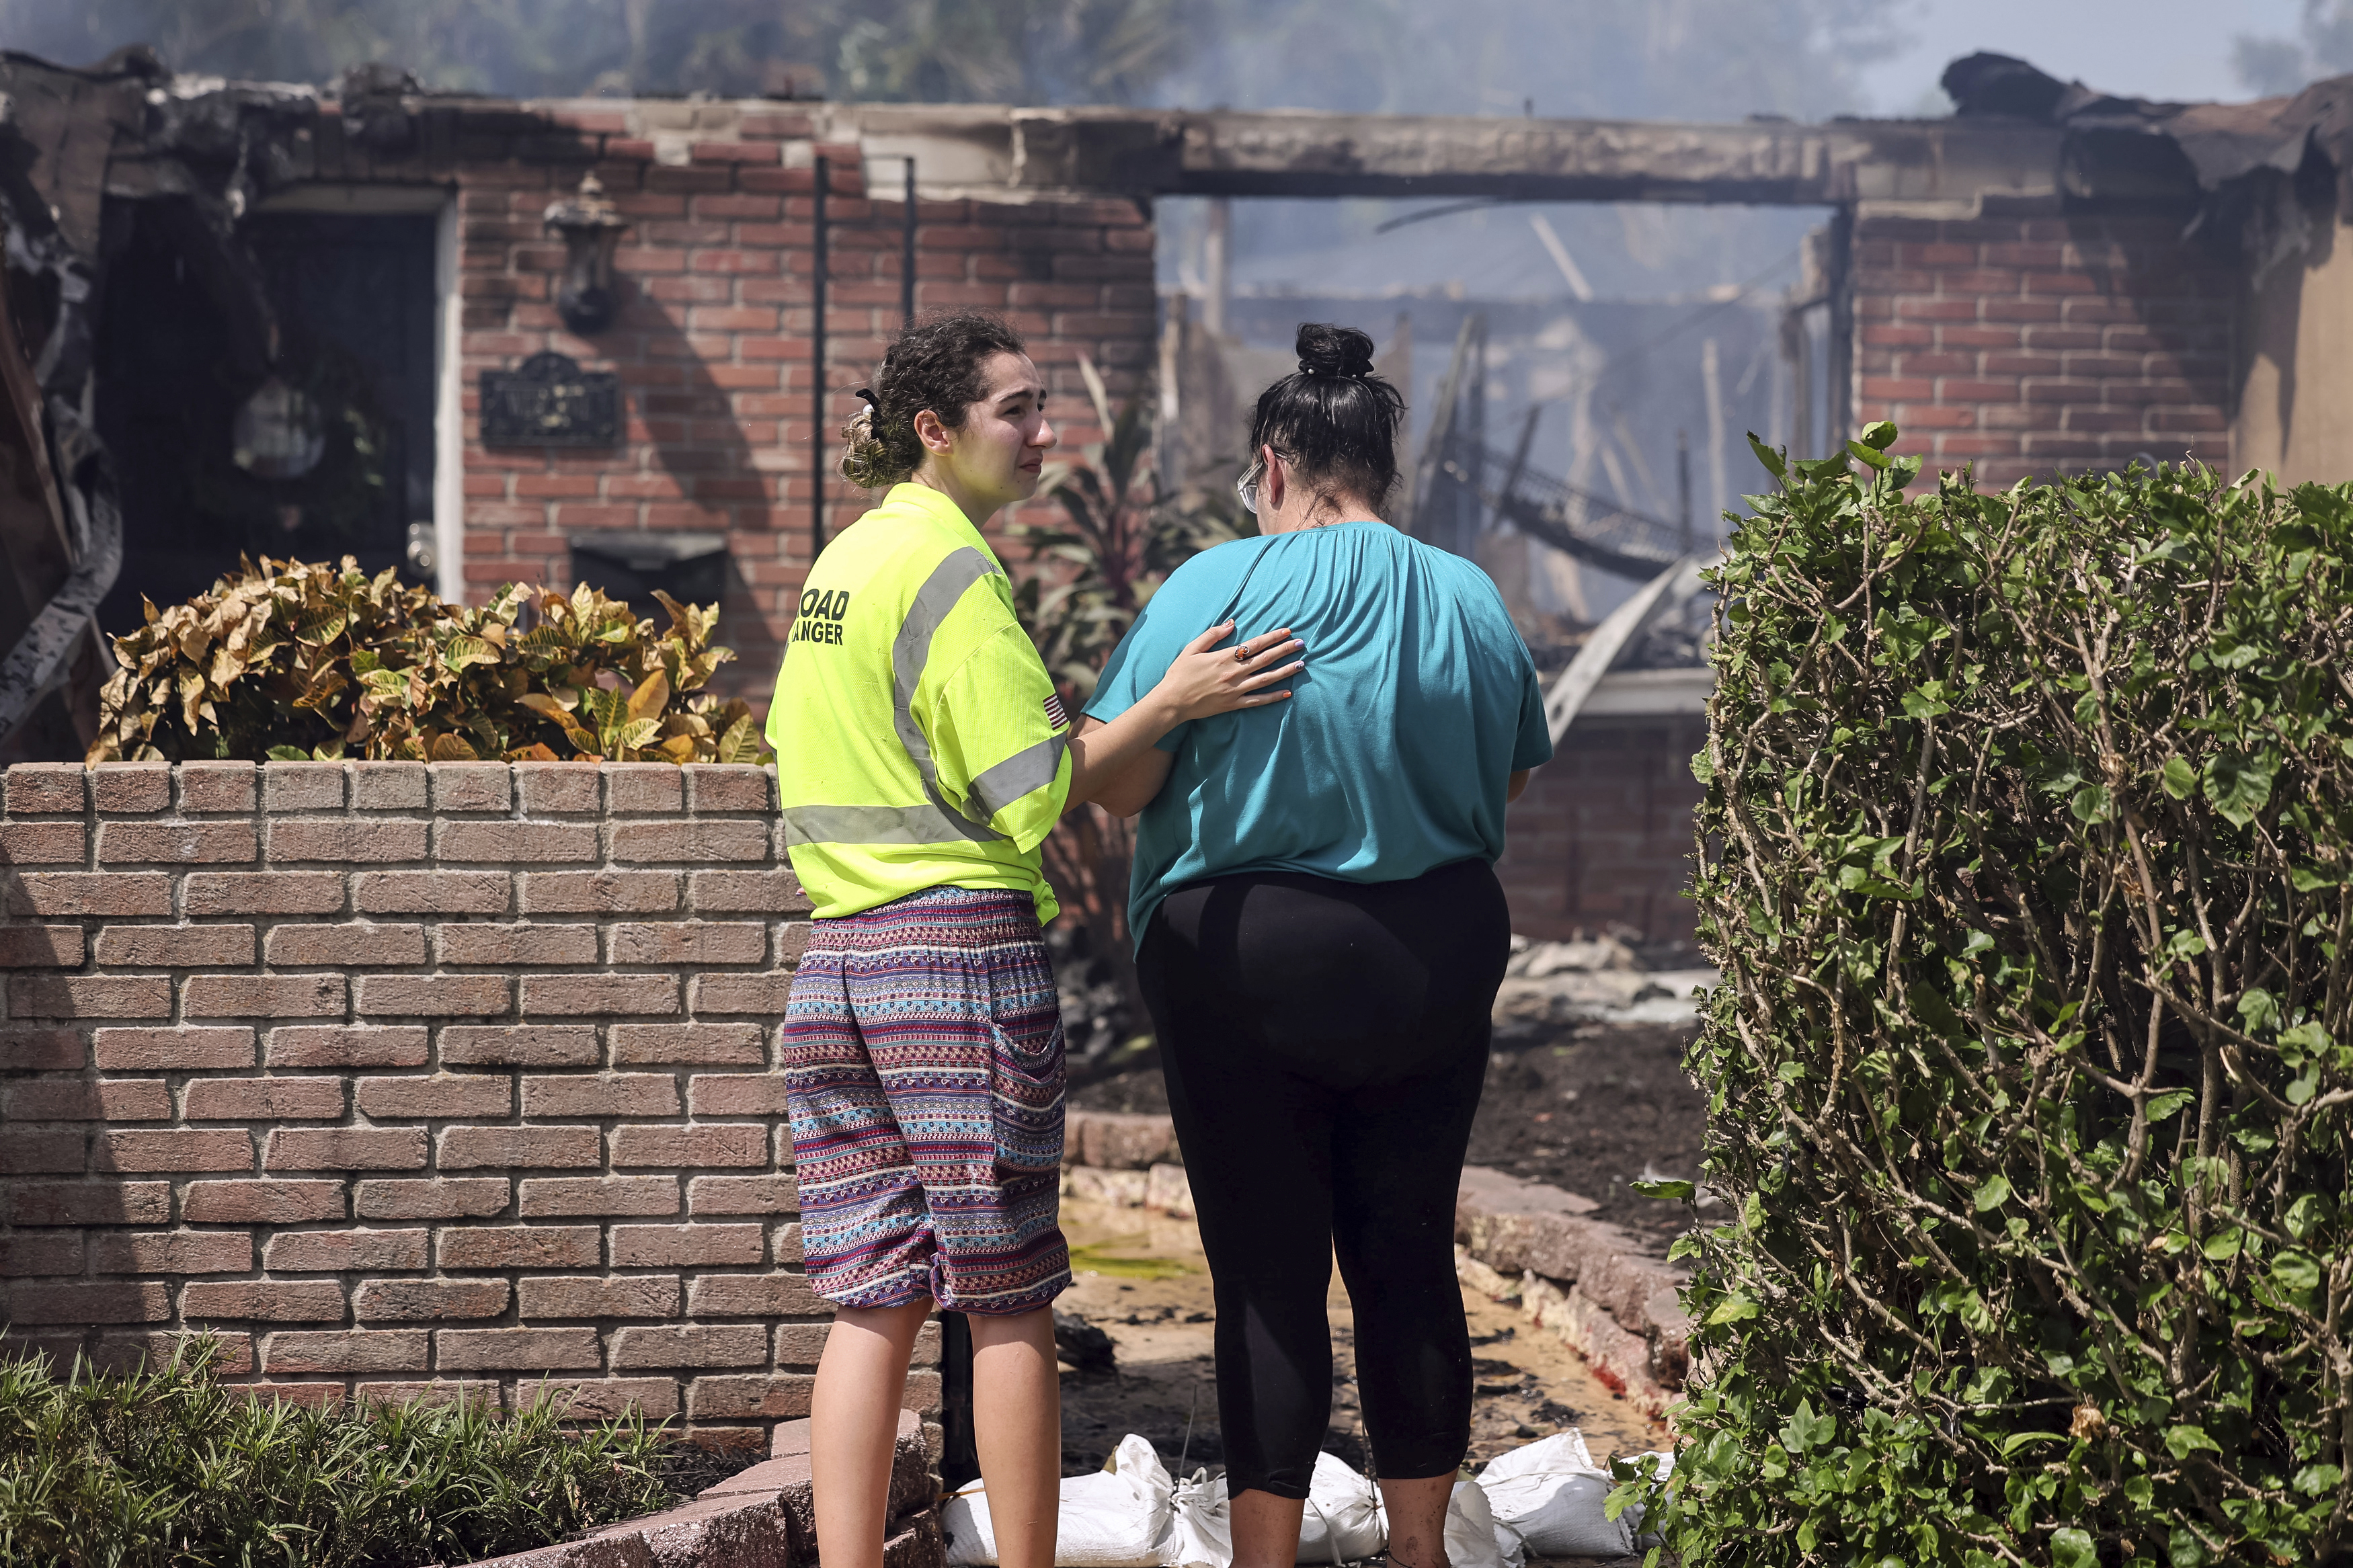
pixel 294 661
pixel 171 1468
pixel 2028 857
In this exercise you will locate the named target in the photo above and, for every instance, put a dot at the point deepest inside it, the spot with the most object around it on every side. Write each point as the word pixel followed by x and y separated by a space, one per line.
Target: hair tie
pixel 873 403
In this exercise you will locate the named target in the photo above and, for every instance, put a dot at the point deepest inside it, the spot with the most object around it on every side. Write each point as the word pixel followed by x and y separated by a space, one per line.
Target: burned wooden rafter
pixel 1580 524
pixel 977 149
pixel 60 527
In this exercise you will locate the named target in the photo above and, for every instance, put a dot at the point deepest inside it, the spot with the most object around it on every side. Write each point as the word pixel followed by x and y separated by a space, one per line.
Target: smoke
pixel 1649 58
pixel 1658 59
pixel 2322 47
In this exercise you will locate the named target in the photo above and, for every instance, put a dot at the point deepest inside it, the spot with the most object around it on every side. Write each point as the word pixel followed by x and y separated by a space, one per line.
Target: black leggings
pixel 1325 1043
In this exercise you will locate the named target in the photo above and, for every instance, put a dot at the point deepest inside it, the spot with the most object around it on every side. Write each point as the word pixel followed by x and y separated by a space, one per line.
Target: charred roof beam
pixel 982 150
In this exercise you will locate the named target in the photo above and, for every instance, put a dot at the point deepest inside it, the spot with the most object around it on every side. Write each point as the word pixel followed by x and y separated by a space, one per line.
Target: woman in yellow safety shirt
pixel 922 757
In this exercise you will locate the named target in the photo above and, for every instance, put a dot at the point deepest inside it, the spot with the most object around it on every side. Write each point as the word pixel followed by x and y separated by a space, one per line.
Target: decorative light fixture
pixel 591 228
pixel 276 433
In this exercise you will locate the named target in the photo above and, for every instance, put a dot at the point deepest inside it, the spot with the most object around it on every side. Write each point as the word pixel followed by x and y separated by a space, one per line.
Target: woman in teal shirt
pixel 1321 939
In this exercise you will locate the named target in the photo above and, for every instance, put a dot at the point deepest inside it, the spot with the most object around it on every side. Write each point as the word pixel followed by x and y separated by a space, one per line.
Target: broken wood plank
pixel 1630 620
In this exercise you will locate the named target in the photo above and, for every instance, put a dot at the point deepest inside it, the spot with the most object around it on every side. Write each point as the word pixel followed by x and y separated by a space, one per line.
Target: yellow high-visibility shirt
pixel 919 741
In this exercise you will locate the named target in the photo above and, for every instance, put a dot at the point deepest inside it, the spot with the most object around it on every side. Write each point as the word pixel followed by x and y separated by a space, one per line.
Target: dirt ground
pixel 1142 1280
pixel 1591 1107
pixel 1586 1106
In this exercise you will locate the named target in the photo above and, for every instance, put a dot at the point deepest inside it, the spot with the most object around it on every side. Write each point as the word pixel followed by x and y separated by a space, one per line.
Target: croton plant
pixel 291 660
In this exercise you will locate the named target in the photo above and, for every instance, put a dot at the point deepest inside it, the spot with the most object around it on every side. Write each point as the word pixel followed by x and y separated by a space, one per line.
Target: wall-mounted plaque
pixel 549 401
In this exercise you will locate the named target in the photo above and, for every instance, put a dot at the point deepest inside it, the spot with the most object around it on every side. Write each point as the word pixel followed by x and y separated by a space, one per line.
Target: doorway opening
pixel 323 450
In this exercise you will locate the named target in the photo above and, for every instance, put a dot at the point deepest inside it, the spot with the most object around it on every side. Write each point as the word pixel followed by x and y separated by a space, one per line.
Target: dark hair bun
pixel 1336 419
pixel 1333 351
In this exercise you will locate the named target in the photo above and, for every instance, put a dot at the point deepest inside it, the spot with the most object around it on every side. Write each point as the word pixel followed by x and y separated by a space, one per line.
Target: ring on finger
pixel 1242 653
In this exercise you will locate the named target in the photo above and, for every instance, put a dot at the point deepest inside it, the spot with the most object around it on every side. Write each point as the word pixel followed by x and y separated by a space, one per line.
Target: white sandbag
pixel 1471 1538
pixel 1203 1524
pixel 1548 1498
pixel 1566 1446
pixel 1120 1517
pixel 1343 1521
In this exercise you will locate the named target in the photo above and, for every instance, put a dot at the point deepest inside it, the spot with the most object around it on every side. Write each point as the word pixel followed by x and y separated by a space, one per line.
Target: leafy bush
pixel 291 660
pixel 2026 852
pixel 172 1469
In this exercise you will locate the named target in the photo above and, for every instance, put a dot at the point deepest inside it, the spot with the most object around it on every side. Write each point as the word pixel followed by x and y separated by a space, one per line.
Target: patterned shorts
pixel 923 1073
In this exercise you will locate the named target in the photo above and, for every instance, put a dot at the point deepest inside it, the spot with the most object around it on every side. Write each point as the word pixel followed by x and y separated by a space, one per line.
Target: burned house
pixel 482 340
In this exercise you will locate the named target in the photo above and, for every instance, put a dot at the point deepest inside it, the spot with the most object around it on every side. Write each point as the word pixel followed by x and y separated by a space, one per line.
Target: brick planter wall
pixel 407 1079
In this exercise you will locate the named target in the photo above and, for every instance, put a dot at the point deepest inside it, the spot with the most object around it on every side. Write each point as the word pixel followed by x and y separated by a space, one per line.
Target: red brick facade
pixel 1602 839
pixel 713 340
pixel 2030 346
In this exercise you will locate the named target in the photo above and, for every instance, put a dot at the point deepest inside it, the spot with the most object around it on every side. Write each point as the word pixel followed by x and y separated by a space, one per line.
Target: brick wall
pixel 1602 839
pixel 408 1079
pixel 2033 346
pixel 713 340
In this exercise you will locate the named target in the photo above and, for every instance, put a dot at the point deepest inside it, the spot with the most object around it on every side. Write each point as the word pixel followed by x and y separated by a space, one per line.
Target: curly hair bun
pixel 866 459
pixel 1333 351
pixel 934 364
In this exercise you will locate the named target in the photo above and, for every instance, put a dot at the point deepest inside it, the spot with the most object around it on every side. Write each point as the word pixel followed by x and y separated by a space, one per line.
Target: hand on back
pixel 1206 680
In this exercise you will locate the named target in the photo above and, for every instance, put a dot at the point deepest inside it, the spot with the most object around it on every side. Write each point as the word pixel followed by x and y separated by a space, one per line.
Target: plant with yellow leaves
pixel 298 661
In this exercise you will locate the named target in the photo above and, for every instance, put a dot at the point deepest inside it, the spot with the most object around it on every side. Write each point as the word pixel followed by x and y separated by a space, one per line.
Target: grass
pixel 1101 1258
pixel 171 1468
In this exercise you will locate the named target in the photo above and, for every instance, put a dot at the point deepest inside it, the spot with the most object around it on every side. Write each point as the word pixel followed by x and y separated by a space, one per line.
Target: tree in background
pixel 937 51
pixel 1663 59
pixel 521 45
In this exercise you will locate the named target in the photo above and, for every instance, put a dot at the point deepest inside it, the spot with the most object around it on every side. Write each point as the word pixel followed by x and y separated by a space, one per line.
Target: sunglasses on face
pixel 1247 486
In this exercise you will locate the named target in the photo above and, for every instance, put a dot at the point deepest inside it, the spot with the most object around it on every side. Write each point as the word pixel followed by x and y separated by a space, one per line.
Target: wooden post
pixel 1711 376
pixel 1839 283
pixel 1797 348
pixel 1217 264
pixel 907 252
pixel 1471 512
pixel 1397 365
pixel 1520 453
pixel 817 264
pixel 1683 487
pixel 1429 473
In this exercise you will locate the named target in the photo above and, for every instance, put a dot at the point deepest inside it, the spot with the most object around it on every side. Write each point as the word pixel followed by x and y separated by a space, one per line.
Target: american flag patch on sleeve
pixel 1056 716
